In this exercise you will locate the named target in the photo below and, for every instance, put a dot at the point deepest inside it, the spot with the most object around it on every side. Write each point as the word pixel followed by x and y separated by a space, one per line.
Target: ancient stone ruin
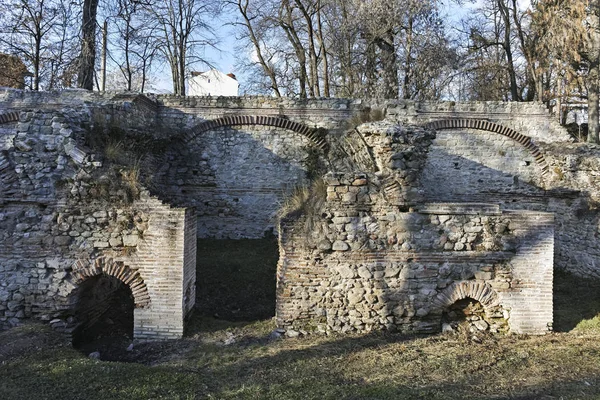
pixel 413 214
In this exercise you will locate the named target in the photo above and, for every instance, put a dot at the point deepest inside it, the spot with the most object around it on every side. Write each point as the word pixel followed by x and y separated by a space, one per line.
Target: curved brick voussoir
pixel 476 290
pixel 240 120
pixel 6 118
pixel 82 271
pixel 484 125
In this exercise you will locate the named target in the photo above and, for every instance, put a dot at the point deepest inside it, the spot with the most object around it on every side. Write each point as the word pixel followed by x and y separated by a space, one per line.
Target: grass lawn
pixel 219 359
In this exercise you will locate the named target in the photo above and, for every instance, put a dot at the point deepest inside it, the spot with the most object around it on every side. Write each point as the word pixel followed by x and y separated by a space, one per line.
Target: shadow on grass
pixel 374 366
pixel 575 299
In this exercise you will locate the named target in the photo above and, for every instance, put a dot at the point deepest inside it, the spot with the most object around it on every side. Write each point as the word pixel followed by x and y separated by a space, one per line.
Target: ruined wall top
pixel 530 119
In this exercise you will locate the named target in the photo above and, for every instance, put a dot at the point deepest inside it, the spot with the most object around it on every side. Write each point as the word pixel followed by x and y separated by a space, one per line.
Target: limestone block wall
pixel 574 199
pixel 474 165
pixel 530 119
pixel 367 265
pixel 186 112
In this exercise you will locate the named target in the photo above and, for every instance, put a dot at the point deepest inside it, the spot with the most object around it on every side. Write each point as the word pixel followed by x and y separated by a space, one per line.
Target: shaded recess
pixel 576 299
pixel 235 279
pixel 117 269
pixel 104 310
pixel 469 316
pixel 479 291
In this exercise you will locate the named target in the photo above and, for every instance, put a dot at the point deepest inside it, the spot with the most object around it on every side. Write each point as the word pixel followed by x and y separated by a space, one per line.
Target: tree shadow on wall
pixel 457 178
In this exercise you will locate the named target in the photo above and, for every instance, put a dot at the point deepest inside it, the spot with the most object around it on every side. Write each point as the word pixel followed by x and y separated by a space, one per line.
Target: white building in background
pixel 212 83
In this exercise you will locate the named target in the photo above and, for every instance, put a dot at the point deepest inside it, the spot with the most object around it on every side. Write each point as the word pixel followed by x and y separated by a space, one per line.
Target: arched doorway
pixel 103 312
pixel 103 304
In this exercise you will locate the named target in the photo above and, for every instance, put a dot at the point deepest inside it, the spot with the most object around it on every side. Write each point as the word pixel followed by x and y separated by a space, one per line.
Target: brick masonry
pixel 234 160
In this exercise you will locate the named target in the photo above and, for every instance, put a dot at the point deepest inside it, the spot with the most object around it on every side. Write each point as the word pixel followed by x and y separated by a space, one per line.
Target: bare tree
pixel 26 25
pixel 87 59
pixel 133 41
pixel 184 29
pixel 345 48
pixel 254 32
pixel 568 34
pixel 43 34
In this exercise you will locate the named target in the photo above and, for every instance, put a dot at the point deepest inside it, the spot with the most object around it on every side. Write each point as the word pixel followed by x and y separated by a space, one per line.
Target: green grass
pixel 219 359
pixel 235 279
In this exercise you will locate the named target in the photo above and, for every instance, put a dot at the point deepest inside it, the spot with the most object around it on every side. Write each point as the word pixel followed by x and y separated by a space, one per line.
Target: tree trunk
pixel 408 60
pixel 314 88
pixel 326 91
pixel 182 69
pixel 36 63
pixel 592 89
pixel 85 77
pixel 254 39
pixel 389 65
pixel 505 12
pixel 559 98
pixel 287 24
pixel 103 69
pixel 370 70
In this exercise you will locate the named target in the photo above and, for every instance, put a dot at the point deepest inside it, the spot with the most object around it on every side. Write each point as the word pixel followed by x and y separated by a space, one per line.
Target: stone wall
pixel 474 165
pixel 67 217
pixel 67 208
pixel 364 264
pixel 236 179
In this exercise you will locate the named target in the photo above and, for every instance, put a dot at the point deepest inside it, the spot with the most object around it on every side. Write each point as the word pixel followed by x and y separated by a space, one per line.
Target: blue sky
pixel 224 60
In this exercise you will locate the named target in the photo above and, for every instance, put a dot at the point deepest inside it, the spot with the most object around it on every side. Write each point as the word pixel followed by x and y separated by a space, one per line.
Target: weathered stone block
pixel 340 245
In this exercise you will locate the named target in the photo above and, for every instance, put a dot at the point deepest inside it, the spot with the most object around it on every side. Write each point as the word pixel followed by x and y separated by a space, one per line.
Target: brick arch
pixel 480 291
pixel 7 172
pixel 232 120
pixel 484 125
pixel 9 117
pixel 107 266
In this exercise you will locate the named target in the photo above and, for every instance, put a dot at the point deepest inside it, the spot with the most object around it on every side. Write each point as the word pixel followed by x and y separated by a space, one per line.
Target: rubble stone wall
pixel 59 213
pixel 59 216
pixel 366 266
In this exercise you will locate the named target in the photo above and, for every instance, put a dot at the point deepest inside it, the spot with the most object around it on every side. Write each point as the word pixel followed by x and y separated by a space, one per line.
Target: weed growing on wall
pixel 128 159
pixel 307 202
pixel 313 163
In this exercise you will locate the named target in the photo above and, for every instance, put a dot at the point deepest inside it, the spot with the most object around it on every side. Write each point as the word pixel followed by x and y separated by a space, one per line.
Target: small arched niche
pixel 471 306
pixel 470 316
pixel 103 302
